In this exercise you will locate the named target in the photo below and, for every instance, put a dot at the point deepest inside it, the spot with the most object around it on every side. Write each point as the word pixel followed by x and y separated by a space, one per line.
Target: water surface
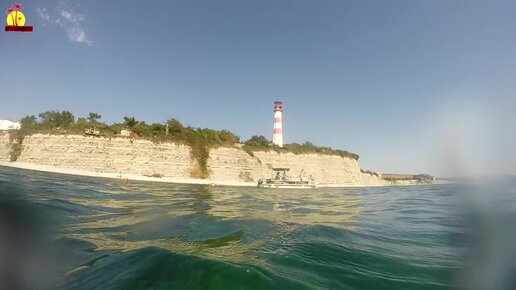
pixel 142 235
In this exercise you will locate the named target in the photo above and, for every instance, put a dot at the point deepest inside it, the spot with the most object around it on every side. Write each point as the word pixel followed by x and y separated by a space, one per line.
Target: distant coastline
pixel 171 152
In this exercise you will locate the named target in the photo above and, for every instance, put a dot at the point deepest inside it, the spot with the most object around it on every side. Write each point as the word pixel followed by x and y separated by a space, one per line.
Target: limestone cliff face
pixel 142 157
pixel 115 155
pixel 326 169
pixel 4 147
pixel 369 179
pixel 233 164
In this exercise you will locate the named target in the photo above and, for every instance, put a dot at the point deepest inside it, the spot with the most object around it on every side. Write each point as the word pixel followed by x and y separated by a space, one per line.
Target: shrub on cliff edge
pixel 16 140
pixel 260 143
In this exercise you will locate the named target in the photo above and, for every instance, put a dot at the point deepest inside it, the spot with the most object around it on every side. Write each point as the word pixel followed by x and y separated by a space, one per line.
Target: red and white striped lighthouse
pixel 277 137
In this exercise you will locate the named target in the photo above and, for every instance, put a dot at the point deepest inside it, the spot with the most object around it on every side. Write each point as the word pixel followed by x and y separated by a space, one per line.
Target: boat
pixel 281 180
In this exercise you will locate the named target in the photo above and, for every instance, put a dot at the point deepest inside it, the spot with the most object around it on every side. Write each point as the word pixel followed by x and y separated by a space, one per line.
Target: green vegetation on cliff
pixel 260 143
pixel 16 140
pixel 200 140
pixel 370 172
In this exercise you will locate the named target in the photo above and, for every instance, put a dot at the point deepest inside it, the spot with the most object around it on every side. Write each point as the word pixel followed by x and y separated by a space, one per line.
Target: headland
pixel 171 152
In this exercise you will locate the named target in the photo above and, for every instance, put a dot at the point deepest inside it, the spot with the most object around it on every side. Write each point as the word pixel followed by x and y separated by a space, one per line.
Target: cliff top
pixel 200 139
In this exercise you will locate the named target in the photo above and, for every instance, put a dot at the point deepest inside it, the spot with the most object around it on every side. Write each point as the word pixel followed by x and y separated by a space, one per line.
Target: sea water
pixel 71 232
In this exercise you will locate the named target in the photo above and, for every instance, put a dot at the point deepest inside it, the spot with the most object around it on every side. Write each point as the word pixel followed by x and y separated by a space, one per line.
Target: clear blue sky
pixel 408 85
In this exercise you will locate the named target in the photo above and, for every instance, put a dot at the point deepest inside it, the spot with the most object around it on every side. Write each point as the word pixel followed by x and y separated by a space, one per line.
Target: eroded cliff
pixel 4 146
pixel 99 154
pixel 143 157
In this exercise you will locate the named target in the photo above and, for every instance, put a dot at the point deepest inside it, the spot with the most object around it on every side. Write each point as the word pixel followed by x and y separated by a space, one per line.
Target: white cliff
pixel 139 157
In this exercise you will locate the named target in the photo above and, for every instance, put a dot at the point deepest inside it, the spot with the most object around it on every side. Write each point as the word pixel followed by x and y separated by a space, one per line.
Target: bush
pixel 16 150
pixel 55 119
pixel 16 140
pixel 245 176
pixel 370 172
pixel 260 143
pixel 142 129
pixel 29 122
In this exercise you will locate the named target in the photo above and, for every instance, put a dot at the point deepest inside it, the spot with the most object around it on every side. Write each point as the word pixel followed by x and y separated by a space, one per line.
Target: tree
pixel 66 119
pixel 130 122
pixel 176 129
pixel 28 122
pixel 94 117
pixel 258 141
pixel 142 129
pixel 228 137
pixel 56 119
pixel 81 124
pixel 157 129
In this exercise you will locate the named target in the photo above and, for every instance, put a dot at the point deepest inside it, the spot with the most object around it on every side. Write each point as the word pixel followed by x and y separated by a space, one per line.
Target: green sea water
pixel 94 233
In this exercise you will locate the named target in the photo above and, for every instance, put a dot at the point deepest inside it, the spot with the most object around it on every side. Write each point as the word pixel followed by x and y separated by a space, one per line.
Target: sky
pixel 410 86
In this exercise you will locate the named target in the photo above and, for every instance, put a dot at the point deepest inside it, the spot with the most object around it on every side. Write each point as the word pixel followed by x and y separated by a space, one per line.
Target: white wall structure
pixel 277 137
pixel 8 125
pixel 125 132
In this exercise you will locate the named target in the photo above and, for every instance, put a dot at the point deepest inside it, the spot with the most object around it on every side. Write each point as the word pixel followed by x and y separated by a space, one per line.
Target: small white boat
pixel 282 180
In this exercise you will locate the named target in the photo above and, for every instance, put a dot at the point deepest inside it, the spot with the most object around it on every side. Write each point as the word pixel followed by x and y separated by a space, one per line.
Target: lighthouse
pixel 277 137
